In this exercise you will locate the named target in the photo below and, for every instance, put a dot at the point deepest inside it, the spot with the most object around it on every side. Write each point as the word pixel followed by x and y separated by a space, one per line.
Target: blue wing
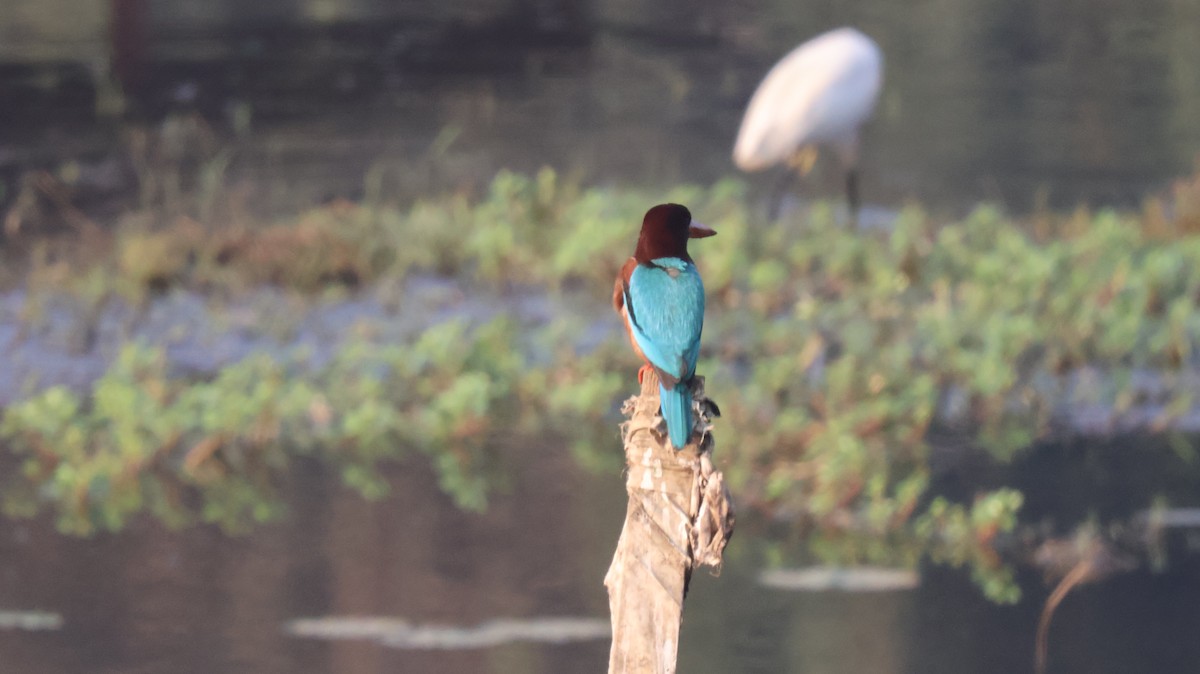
pixel 666 311
pixel 667 314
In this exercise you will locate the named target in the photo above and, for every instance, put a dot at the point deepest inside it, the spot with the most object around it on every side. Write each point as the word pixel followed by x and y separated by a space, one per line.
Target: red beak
pixel 699 230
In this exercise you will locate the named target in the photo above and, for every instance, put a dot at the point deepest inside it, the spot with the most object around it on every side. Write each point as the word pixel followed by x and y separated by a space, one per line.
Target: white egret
pixel 819 94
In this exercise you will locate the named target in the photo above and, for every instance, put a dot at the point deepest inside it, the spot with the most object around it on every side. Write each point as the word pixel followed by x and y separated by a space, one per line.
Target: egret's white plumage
pixel 819 94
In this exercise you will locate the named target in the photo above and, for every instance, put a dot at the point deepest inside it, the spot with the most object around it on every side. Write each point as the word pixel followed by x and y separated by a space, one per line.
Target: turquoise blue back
pixel 667 302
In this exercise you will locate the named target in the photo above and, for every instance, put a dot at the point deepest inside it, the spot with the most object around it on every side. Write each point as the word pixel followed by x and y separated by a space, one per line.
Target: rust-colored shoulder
pixel 621 283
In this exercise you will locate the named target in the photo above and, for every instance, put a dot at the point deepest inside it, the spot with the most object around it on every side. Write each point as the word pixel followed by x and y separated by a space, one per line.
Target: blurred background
pixel 309 366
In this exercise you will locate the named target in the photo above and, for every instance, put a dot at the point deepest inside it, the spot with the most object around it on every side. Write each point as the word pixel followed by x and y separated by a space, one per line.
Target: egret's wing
pixel 820 92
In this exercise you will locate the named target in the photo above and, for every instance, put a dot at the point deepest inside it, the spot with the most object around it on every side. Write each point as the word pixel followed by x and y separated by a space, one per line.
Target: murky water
pixel 151 600
pixel 996 99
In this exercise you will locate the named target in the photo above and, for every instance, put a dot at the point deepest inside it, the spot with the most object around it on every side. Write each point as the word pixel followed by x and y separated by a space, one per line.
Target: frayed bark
pixel 680 516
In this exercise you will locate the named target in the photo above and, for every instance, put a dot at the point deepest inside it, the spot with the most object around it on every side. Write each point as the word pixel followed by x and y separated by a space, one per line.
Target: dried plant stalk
pixel 679 517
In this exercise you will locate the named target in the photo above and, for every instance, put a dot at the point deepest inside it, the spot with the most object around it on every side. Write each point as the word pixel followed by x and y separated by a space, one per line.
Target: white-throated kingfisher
pixel 660 298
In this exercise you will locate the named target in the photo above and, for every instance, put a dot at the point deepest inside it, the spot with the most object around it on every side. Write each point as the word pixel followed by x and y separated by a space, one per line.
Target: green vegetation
pixel 834 356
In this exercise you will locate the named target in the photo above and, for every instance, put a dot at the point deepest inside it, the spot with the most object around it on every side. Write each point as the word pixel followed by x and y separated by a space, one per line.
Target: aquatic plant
pixel 217 450
pixel 836 356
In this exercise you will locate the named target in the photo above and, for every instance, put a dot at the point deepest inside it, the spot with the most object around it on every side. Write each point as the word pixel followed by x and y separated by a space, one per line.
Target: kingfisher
pixel 660 298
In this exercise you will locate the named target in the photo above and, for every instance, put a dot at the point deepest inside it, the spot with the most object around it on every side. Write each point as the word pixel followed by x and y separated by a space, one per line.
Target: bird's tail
pixel 676 405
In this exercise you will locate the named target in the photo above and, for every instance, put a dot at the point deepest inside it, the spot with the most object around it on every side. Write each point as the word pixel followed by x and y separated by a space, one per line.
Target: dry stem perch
pixel 679 517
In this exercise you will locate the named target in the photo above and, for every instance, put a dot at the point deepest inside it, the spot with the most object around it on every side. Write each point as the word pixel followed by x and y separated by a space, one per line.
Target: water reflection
pixel 824 579
pixel 30 621
pixel 197 601
pixel 399 633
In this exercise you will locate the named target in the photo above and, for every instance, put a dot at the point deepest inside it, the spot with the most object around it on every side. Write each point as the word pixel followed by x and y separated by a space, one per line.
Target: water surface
pixel 151 600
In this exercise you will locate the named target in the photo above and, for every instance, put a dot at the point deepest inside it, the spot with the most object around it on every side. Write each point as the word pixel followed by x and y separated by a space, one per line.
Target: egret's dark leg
pixel 852 196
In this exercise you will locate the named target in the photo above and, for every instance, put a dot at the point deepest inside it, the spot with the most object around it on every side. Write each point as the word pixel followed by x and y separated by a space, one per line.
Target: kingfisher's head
pixel 665 233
